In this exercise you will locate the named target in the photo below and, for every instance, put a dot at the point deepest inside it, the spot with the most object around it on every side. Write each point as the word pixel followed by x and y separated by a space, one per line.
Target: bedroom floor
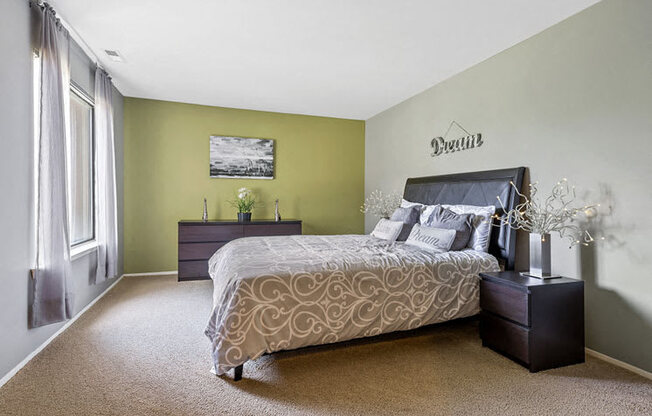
pixel 141 350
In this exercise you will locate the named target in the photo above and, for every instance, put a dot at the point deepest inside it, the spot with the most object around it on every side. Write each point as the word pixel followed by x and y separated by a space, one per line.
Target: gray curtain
pixel 51 297
pixel 107 221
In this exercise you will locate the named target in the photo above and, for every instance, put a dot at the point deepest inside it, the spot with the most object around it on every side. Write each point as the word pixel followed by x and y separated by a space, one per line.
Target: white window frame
pixel 36 101
pixel 88 246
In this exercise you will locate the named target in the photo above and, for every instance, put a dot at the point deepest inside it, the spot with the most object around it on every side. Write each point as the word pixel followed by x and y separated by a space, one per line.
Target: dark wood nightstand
pixel 537 323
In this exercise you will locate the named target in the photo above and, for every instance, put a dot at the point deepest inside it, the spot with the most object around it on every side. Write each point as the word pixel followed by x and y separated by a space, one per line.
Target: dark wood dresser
pixel 199 240
pixel 537 323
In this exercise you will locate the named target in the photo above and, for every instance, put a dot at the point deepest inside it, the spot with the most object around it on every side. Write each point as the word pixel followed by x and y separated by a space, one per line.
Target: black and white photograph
pixel 242 157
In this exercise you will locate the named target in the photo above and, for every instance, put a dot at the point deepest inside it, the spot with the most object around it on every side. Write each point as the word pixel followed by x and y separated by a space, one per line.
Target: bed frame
pixel 473 188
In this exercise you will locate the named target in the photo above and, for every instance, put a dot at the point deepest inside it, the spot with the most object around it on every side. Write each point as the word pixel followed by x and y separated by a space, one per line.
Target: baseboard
pixel 65 326
pixel 151 274
pixel 619 363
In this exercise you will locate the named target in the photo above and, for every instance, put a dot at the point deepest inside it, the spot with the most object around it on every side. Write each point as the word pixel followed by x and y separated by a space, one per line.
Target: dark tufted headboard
pixel 474 188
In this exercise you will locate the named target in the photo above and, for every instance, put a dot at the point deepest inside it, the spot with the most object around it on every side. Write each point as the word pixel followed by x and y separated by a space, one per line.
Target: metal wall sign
pixel 442 145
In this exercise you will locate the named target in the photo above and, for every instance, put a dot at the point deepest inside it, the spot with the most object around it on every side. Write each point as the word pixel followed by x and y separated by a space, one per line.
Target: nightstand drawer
pixel 505 301
pixel 506 337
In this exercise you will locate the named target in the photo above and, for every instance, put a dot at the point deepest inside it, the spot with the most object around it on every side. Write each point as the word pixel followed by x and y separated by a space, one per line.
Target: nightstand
pixel 537 323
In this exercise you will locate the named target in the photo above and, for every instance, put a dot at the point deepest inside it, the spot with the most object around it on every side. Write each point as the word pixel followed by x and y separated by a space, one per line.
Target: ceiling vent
pixel 114 55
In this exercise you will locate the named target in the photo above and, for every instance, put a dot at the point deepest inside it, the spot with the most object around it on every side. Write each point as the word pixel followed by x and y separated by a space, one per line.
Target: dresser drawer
pixel 271 229
pixel 193 269
pixel 505 301
pixel 198 251
pixel 198 241
pixel 205 233
pixel 505 336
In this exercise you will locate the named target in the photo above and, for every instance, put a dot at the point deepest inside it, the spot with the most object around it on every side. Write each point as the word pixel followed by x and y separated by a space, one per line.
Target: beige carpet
pixel 141 351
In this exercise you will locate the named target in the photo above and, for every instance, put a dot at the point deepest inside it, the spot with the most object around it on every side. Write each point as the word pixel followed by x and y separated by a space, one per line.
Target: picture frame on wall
pixel 241 157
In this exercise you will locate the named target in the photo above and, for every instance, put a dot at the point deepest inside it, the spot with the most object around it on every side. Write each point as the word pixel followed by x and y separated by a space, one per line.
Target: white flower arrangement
pixel 556 214
pixel 244 201
pixel 381 204
pixel 243 192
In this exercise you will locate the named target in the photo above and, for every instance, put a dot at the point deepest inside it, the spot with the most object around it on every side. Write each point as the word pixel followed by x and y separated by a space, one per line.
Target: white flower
pixel 243 193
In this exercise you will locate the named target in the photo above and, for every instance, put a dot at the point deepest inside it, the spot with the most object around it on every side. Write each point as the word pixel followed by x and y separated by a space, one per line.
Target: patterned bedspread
pixel 279 293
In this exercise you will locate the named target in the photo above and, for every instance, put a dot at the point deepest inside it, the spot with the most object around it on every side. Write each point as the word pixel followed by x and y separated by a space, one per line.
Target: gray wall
pixel 574 101
pixel 16 185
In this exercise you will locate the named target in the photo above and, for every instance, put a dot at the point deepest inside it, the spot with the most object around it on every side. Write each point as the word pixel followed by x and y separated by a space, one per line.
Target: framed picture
pixel 242 157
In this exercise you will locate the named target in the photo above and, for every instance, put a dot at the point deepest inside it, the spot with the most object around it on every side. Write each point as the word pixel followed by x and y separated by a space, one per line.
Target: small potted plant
pixel 244 202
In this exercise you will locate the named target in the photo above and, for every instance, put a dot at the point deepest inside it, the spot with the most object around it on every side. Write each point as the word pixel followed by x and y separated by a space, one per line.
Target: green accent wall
pixel 319 173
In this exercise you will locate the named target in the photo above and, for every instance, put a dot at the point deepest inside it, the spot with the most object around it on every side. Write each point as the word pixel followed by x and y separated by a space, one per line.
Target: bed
pixel 281 293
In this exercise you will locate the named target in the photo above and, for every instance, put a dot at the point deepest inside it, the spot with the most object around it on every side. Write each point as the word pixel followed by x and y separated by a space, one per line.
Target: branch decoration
pixel 381 204
pixel 556 214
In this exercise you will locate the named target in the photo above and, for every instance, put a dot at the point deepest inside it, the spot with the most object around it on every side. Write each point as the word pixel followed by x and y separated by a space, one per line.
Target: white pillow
pixel 387 230
pixel 407 204
pixel 426 212
pixel 481 233
pixel 432 239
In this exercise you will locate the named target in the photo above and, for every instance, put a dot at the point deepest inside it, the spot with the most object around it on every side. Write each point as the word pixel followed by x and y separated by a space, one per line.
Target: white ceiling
pixel 338 58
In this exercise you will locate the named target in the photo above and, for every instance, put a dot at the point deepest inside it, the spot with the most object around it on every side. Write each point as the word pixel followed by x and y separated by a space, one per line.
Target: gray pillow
pixel 409 216
pixel 447 219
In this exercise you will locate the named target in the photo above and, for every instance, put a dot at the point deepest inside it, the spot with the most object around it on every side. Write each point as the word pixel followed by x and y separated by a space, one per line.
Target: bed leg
pixel 237 373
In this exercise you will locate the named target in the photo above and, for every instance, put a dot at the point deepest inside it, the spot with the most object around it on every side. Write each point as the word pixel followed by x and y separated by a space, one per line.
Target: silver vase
pixel 540 258
pixel 204 216
pixel 277 215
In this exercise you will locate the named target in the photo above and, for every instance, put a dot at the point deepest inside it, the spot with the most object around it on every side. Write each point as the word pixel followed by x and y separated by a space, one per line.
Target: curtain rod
pixel 73 34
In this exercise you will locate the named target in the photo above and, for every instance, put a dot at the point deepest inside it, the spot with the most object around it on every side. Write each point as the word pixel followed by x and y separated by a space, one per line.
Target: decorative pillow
pixel 409 217
pixel 431 239
pixel 447 219
pixel 387 230
pixel 481 234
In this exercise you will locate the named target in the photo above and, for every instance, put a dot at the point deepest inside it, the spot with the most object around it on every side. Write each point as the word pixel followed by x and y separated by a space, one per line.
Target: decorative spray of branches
pixel 381 204
pixel 555 214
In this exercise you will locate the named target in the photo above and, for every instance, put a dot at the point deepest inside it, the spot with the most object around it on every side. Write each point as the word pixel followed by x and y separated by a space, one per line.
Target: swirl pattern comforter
pixel 280 293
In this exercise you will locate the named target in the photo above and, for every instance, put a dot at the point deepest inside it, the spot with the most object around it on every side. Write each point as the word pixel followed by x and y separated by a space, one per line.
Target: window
pixel 81 158
pixel 80 161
